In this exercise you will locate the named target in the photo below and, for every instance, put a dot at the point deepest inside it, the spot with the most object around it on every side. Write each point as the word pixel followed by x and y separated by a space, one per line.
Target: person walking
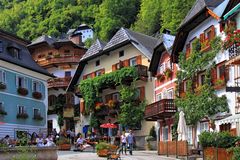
pixel 124 143
pixel 130 141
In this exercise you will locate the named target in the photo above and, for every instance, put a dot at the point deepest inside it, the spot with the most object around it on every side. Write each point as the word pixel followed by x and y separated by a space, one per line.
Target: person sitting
pixel 7 141
pixel 49 141
pixel 80 142
pixel 40 141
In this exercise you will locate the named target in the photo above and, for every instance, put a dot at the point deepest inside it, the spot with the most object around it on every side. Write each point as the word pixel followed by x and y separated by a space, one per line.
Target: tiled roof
pixel 95 49
pixel 199 6
pixel 25 59
pixel 44 38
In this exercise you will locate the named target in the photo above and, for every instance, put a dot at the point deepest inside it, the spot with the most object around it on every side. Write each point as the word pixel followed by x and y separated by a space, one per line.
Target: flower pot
pixel 2 86
pixel 22 115
pixel 37 95
pixel 102 153
pixel 64 147
pixel 22 91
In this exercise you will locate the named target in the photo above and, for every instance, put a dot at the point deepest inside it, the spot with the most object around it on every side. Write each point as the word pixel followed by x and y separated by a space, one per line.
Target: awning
pixel 232 11
pixel 230 119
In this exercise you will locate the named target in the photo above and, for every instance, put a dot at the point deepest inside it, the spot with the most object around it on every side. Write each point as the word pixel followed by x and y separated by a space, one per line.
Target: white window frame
pixel 3 75
pixel 204 126
pixel 163 137
pixel 190 134
pixel 38 111
pixel 38 86
pixel 170 90
pixel 133 61
pixel 21 109
pixel 25 81
pixel 159 97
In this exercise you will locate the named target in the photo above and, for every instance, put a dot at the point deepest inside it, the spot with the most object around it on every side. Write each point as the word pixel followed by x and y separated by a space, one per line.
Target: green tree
pixel 201 101
pixel 148 19
pixel 174 12
pixel 114 14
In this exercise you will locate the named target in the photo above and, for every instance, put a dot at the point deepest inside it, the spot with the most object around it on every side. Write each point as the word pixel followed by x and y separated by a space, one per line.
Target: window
pixel 14 52
pixel 116 96
pixel 168 65
pixel 204 126
pixel 2 76
pixel 162 68
pixel 208 33
pixel 221 71
pixel 165 133
pixel 97 62
pixel 21 109
pixel 159 97
pixel 36 86
pixel 170 94
pixel 133 61
pixel 1 106
pixel 21 82
pixel 1 46
pixel 67 73
pixel 98 73
pixel 201 79
pixel 121 53
pixel 36 112
pixel 189 134
pixel 191 44
pixel 52 99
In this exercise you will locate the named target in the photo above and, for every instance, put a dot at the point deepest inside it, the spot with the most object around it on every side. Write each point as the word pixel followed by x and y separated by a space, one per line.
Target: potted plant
pixel 2 85
pixel 63 144
pixel 99 105
pixel 38 117
pixel 160 77
pixel 2 112
pixel 37 95
pixel 22 91
pixel 168 72
pixel 220 83
pixel 22 115
pixel 232 38
pixel 102 149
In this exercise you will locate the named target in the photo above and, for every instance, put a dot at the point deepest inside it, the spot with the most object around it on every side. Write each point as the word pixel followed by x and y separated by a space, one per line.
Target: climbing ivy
pixel 202 101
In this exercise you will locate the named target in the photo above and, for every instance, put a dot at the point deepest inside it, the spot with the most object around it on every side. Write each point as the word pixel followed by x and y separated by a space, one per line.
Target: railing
pixel 233 51
pixel 142 70
pixel 59 82
pixel 160 108
pixel 58 60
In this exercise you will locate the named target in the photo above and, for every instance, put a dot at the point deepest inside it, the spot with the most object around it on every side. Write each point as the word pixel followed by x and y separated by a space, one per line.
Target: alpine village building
pixel 205 21
pixel 126 48
pixel 23 89
pixel 60 57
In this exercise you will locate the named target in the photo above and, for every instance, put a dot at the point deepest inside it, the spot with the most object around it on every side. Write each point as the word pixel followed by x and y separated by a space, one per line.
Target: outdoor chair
pixel 114 153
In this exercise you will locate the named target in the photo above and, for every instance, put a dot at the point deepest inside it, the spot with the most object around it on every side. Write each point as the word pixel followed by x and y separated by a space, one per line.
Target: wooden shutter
pixel 181 87
pixel 121 64
pixel 114 67
pixel 82 107
pixel 142 93
pixel 93 74
pixel 108 97
pixel 126 63
pixel 139 59
pixel 84 77
pixel 102 71
pixel 226 74
pixel 214 74
pixel 202 37
pixel 212 32
pixel 188 50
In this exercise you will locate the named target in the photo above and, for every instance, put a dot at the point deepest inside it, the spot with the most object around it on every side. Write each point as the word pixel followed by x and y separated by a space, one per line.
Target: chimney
pixel 76 38
pixel 166 31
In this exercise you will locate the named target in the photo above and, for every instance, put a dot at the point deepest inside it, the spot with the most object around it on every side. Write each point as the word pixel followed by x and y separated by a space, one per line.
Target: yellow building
pixel 126 48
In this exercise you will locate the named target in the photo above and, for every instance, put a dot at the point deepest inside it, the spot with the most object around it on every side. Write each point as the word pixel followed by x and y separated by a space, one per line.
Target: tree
pixel 201 101
pixel 114 14
pixel 174 12
pixel 148 19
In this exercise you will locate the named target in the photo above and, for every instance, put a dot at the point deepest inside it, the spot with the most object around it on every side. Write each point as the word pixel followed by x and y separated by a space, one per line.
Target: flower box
pixel 2 112
pixel 38 117
pixel 37 95
pixel 2 85
pixel 160 77
pixel 22 91
pixel 22 115
pixel 168 73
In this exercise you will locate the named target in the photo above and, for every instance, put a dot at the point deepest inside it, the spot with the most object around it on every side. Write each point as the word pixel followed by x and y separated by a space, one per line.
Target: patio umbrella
pixel 182 127
pixel 108 125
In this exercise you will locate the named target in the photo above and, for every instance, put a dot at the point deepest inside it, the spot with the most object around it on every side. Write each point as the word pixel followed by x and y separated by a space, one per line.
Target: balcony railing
pixel 142 70
pixel 164 108
pixel 59 82
pixel 58 60
pixel 233 51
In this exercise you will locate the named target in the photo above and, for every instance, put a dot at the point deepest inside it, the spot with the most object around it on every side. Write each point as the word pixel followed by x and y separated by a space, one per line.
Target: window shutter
pixel 214 75
pixel 187 50
pixel 25 83
pixel 108 97
pixel 202 37
pixel 114 67
pixel 226 74
pixel 126 63
pixel 139 59
pixel 142 93
pixel 121 64
pixel 82 107
pixel 102 71
pixel 93 74
pixel 212 32
pixel 84 77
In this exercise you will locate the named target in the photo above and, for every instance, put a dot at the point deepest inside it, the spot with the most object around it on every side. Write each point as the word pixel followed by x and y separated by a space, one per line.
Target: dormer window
pixel 14 52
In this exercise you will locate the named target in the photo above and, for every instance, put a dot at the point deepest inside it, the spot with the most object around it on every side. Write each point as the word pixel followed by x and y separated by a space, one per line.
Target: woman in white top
pixel 124 143
pixel 80 142
pixel 40 141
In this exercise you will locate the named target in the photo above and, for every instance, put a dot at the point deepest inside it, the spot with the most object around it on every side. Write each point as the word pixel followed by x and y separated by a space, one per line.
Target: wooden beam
pixel 211 13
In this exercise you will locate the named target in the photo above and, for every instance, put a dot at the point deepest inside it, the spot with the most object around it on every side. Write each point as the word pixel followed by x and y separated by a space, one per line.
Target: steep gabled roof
pixel 95 49
pixel 165 43
pixel 198 6
pixel 142 42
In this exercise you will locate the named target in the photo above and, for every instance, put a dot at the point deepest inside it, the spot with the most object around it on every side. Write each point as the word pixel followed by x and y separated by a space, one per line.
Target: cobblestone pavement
pixel 137 155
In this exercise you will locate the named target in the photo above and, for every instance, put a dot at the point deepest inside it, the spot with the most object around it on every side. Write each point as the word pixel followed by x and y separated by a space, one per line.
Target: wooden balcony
pixel 55 61
pixel 59 82
pixel 142 70
pixel 164 108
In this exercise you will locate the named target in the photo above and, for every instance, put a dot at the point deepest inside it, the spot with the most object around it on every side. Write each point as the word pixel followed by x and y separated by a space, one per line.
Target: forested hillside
pixel 32 18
